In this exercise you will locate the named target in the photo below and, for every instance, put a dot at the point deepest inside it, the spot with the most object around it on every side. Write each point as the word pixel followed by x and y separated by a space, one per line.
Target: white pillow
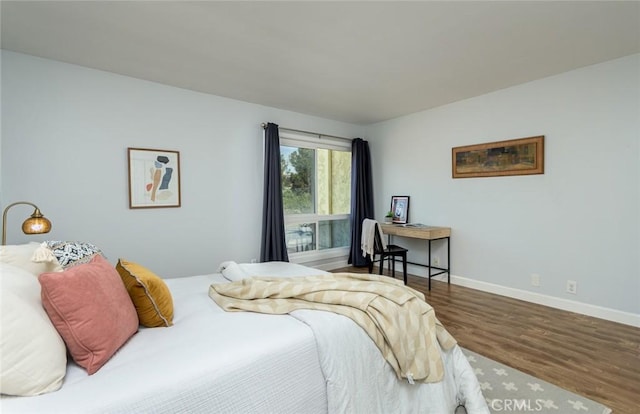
pixel 233 271
pixel 21 255
pixel 33 356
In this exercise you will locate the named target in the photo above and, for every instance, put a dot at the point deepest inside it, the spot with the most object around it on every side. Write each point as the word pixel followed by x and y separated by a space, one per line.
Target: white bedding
pixel 212 361
pixel 358 378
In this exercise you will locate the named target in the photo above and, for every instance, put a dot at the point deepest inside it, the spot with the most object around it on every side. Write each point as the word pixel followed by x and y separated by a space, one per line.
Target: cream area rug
pixel 509 390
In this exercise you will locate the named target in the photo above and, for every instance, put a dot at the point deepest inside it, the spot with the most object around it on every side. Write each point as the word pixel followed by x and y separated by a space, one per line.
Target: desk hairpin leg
pixel 448 260
pixel 429 265
pixel 428 233
pixel 442 270
pixel 390 258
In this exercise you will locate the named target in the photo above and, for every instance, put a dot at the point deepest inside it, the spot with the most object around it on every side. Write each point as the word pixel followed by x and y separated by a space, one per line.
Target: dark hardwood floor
pixel 592 357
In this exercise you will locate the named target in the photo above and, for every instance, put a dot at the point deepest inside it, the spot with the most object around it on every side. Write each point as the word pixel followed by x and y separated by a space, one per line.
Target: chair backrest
pixel 377 241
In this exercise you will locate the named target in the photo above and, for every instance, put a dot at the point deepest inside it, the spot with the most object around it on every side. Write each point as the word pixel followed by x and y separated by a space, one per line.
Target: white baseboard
pixel 601 312
pixel 595 311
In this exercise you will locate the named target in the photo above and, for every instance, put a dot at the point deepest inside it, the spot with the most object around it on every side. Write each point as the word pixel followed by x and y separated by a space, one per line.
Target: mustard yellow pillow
pixel 149 294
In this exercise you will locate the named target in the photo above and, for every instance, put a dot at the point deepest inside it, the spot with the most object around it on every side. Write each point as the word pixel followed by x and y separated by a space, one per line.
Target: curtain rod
pixel 264 126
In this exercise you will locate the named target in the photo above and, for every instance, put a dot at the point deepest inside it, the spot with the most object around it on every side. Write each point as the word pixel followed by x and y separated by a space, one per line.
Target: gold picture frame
pixel 154 178
pixel 522 156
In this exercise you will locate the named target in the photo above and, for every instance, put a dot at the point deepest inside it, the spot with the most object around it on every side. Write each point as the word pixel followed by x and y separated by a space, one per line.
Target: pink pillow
pixel 91 309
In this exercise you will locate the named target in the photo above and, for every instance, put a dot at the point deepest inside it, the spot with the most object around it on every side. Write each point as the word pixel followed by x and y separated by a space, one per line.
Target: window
pixel 316 193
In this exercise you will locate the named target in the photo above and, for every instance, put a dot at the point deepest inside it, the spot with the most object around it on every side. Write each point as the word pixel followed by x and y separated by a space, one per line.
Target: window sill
pixel 318 255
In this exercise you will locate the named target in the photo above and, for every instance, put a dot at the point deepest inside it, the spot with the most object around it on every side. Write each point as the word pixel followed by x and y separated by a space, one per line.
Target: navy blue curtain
pixel 361 198
pixel 273 247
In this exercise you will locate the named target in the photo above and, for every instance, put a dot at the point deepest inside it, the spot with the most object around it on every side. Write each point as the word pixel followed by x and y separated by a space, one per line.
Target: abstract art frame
pixel 154 178
pixel 520 156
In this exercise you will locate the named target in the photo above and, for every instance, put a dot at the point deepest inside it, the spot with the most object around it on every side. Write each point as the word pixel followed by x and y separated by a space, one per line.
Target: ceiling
pixel 358 62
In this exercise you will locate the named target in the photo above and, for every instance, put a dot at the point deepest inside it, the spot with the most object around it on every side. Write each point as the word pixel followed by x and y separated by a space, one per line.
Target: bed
pixel 243 362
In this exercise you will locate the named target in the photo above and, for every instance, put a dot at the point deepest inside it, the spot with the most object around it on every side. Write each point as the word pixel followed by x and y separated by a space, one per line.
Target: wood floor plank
pixel 592 357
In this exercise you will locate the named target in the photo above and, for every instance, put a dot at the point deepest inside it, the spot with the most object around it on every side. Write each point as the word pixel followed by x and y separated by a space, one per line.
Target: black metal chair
pixel 392 251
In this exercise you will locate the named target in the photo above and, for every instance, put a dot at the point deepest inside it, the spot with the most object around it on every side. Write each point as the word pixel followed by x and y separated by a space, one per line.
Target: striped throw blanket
pixel 397 318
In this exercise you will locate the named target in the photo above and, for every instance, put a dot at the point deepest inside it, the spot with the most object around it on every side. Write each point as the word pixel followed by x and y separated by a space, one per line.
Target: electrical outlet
pixel 572 287
pixel 435 260
pixel 535 279
pixel 254 260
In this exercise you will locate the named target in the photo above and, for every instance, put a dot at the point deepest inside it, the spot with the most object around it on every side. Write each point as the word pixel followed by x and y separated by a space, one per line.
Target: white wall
pixel 65 130
pixel 578 221
pixel 65 133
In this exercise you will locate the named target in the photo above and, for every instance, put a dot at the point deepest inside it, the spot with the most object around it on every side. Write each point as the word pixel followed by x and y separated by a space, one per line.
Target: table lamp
pixel 36 224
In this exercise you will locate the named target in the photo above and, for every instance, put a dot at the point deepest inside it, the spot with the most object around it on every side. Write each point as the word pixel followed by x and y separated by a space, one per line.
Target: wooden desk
pixel 429 233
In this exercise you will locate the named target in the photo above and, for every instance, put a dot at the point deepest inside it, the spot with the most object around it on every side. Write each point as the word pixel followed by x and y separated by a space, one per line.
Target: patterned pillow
pixel 72 253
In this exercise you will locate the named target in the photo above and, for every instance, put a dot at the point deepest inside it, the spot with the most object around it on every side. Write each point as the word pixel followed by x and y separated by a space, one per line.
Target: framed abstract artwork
pixel 521 156
pixel 400 209
pixel 154 178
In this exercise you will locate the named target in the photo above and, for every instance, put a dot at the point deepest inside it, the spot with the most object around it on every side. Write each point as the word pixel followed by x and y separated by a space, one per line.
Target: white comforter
pixel 209 361
pixel 212 361
pixel 358 378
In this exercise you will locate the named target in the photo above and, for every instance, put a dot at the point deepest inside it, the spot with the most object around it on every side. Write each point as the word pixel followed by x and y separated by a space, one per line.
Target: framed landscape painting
pixel 154 178
pixel 512 157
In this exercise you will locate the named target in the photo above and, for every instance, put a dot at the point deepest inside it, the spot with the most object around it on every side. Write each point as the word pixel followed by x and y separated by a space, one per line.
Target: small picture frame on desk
pixel 400 209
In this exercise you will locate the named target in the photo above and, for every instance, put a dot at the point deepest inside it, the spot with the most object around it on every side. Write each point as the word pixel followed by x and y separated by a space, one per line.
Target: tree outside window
pixel 316 193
